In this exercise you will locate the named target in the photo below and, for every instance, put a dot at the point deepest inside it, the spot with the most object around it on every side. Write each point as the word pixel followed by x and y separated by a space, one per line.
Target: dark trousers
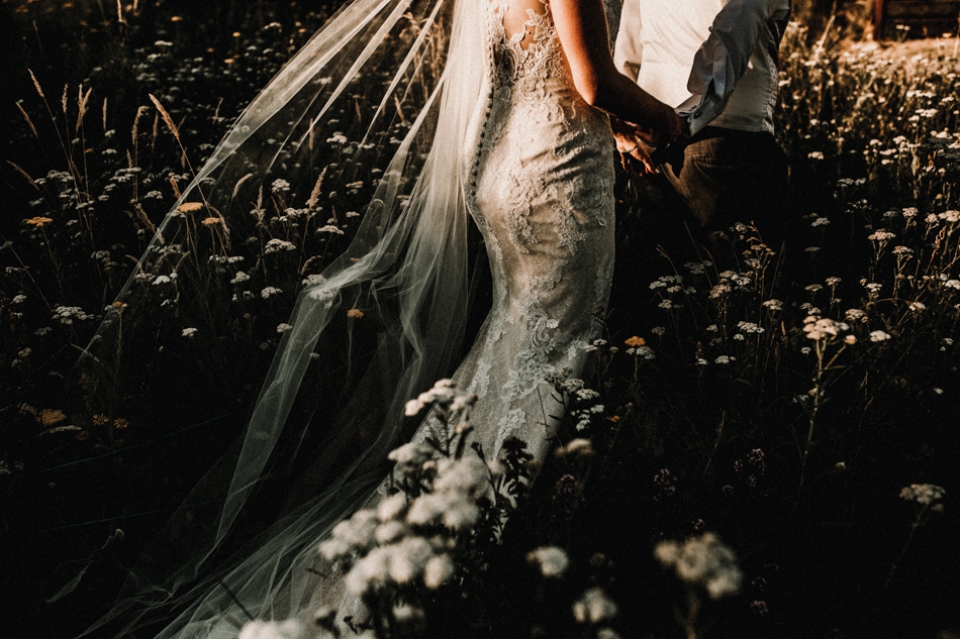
pixel 711 182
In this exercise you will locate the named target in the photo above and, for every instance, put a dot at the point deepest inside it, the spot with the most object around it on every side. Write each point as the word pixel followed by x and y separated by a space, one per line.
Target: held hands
pixel 638 143
pixel 635 147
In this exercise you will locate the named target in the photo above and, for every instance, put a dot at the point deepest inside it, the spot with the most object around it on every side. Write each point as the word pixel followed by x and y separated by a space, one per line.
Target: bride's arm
pixel 582 27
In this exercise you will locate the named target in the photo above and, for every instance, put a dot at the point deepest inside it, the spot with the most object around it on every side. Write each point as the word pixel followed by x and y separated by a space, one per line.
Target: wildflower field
pixel 770 450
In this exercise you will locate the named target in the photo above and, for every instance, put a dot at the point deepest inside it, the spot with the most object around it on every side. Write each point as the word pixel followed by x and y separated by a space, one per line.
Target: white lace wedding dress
pixel 542 195
pixel 540 163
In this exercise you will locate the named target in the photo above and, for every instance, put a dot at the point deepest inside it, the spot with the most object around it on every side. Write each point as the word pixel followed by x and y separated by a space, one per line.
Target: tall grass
pixel 801 411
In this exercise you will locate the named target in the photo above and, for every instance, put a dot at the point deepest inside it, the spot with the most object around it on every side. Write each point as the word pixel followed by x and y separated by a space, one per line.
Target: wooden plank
pixel 895 10
pixel 926 18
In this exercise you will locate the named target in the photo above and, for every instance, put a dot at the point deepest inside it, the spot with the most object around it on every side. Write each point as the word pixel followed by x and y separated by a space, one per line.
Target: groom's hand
pixel 661 138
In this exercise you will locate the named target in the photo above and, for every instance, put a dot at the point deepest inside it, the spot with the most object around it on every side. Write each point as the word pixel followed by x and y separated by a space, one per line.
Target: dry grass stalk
pixel 236 188
pixel 315 193
pixel 63 98
pixel 176 187
pixel 143 219
pixel 26 117
pixel 258 211
pixel 223 231
pixel 216 113
pixel 24 174
pixel 396 101
pixel 166 118
pixel 36 84
pixel 46 104
pixel 136 122
pixel 83 101
pixel 104 114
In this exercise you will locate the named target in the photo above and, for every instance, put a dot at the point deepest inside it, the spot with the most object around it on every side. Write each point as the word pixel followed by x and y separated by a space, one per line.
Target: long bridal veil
pixel 379 105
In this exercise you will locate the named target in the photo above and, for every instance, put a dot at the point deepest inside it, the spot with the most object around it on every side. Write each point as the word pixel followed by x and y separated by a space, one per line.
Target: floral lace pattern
pixel 542 196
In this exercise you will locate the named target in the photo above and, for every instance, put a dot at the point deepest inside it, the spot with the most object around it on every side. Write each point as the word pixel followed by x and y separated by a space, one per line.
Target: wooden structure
pixel 926 18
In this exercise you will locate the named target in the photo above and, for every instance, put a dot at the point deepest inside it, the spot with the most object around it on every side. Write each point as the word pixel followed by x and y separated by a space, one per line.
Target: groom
pixel 716 61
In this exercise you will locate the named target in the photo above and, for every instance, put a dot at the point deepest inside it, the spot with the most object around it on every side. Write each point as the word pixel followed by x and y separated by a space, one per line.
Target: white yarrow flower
pixel 391 507
pixel 594 607
pixel 924 494
pixel 818 328
pixel 239 277
pixel 289 629
pixel 390 532
pixel 468 475
pixel 413 407
pixel 855 315
pixel 773 304
pixel 552 561
pixel 407 559
pixel 438 571
pixel 412 453
pixel 703 561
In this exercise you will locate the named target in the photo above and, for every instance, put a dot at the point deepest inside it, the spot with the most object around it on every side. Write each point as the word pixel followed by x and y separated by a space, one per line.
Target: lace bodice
pixel 528 58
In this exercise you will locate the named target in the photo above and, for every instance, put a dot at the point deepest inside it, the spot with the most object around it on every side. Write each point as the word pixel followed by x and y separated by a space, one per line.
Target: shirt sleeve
pixel 628 52
pixel 724 56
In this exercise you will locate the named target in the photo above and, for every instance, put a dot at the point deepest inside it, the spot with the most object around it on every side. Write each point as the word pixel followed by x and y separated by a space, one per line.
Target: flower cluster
pixel 583 403
pixel 408 539
pixel 68 314
pixel 637 347
pixel 444 395
pixel 551 561
pixel 705 562
pixel 594 607
pixel 823 328
pixel 924 494
pixel 289 629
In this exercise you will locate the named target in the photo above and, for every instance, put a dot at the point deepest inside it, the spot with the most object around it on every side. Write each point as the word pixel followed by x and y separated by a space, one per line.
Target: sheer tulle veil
pixel 421 65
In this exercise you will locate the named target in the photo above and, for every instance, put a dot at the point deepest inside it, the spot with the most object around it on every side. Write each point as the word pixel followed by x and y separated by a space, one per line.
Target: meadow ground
pixel 804 412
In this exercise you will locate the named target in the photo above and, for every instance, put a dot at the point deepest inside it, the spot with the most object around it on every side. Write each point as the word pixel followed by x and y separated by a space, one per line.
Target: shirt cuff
pixel 699 111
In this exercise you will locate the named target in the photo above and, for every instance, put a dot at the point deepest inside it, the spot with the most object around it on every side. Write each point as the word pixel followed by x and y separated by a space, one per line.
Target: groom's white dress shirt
pixel 715 60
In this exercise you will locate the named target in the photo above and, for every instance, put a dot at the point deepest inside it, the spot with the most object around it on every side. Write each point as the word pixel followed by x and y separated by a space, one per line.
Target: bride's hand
pixel 631 144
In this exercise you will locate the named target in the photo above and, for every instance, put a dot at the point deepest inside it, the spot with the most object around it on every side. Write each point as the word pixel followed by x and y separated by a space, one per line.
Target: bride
pixel 514 133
